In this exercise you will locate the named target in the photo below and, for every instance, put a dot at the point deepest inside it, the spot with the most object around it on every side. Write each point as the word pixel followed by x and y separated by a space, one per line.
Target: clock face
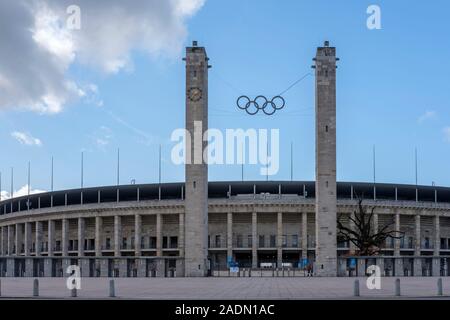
pixel 195 94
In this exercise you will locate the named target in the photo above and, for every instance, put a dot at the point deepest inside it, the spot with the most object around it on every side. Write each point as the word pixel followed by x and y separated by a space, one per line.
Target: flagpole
pixel 374 165
pixel 29 178
pixel 159 165
pixel 118 166
pixel 292 162
pixel 82 169
pixel 267 160
pixel 242 162
pixel 12 182
pixel 415 151
pixel 51 180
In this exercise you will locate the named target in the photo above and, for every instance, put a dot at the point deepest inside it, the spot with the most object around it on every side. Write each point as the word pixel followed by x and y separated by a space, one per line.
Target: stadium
pixel 202 228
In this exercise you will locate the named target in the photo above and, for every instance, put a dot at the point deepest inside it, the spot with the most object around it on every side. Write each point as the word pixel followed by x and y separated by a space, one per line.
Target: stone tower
pixel 196 201
pixel 326 247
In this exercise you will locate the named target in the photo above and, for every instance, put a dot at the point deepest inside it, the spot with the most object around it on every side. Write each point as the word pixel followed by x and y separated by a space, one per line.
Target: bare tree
pixel 367 240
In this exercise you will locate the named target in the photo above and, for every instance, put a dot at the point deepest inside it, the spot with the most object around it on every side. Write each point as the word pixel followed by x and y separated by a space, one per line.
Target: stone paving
pixel 225 288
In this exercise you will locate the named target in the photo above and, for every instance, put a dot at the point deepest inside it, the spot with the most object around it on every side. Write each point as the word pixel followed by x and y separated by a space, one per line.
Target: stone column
pixel 117 235
pixel 1 242
pixel 397 241
pixel 28 239
pixel 98 236
pixel 304 235
pixel 325 189
pixel 51 237
pixel 38 239
pixel 196 170
pixel 137 234
pixel 10 240
pixel 19 238
pixel 254 236
pixel 279 239
pixel 81 231
pixel 418 237
pixel 437 236
pixel 65 237
pixel 181 236
pixel 229 236
pixel 159 235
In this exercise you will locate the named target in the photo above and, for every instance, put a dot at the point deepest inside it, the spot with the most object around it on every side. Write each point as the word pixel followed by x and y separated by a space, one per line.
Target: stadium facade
pixel 201 228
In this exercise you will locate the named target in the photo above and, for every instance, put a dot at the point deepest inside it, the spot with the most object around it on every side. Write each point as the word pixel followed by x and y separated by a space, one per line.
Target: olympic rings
pixel 252 107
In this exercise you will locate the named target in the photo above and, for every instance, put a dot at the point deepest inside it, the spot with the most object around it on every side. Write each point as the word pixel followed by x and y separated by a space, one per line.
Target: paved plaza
pixel 225 288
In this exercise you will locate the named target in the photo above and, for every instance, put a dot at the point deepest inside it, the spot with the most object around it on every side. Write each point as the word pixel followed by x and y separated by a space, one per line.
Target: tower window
pixel 326 128
pixel 194 184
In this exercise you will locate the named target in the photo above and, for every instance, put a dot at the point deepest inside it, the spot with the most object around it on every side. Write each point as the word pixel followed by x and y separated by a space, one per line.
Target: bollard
pixel 112 291
pixel 249 272
pixel 74 292
pixel 356 288
pixel 0 287
pixel 439 285
pixel 397 287
pixel 36 288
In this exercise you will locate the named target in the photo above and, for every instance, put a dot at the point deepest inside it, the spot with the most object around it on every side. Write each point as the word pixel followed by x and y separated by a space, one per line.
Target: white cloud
pixel 446 132
pixel 23 191
pixel 26 138
pixel 429 114
pixel 40 50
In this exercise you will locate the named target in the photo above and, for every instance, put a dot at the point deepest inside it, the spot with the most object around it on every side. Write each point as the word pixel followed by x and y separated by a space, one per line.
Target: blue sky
pixel 392 91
